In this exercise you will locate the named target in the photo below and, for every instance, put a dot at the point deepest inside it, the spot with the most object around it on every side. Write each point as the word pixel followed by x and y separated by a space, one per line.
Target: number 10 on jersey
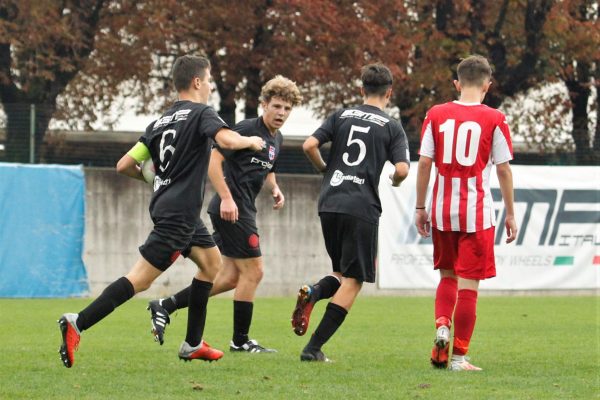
pixel 465 153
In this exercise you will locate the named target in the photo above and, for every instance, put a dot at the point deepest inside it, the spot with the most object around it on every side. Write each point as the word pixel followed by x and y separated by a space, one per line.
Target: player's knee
pixel 230 281
pixel 254 272
pixel 257 274
pixel 139 284
pixel 210 271
pixel 210 267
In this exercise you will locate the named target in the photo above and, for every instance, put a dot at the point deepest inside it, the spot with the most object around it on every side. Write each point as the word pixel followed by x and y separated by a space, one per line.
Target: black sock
pixel 242 318
pixel 112 297
pixel 199 292
pixel 326 287
pixel 177 301
pixel 332 319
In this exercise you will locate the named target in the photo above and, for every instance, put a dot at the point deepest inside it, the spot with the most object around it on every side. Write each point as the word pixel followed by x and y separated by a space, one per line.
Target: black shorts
pixel 169 239
pixel 352 245
pixel 239 240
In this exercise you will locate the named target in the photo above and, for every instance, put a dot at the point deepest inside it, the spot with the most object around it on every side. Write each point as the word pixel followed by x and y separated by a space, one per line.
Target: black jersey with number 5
pixel 179 143
pixel 362 139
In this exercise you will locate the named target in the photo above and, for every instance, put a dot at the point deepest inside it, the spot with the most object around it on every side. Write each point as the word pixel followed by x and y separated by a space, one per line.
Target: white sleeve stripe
pixel 427 145
pixel 500 149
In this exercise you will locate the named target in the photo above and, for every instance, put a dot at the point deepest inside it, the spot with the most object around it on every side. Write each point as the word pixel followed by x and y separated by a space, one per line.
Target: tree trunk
pixel 253 86
pixel 596 146
pixel 261 40
pixel 227 106
pixel 579 94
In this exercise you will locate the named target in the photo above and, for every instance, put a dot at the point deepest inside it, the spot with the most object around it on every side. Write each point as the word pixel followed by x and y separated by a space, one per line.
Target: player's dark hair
pixel 186 68
pixel 376 79
pixel 474 70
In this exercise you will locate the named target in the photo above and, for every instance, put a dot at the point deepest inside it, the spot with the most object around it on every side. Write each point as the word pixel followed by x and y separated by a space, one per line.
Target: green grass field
pixel 529 348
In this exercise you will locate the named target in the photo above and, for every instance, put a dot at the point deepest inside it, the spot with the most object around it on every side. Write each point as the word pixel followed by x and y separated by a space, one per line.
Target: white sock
pixel 458 358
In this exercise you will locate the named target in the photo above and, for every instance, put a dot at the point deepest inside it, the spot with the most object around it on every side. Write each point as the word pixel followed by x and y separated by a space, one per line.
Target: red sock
pixel 464 320
pixel 445 300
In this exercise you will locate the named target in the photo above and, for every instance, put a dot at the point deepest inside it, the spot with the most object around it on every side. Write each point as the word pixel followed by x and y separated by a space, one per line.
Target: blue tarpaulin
pixel 41 231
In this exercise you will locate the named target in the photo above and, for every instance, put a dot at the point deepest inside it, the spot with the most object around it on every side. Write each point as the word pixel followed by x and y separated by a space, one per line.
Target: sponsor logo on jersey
pixel 365 116
pixel 265 164
pixel 180 115
pixel 338 177
pixel 159 182
pixel 271 153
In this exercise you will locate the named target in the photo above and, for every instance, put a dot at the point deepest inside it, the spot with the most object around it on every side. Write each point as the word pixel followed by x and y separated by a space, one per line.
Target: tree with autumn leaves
pixel 78 58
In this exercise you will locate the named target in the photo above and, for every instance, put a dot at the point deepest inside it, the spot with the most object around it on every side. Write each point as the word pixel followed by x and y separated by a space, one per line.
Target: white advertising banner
pixel 558 242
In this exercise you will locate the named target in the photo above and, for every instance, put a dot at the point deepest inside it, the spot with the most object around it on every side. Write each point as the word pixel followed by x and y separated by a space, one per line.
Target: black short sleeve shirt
pixel 246 170
pixel 179 143
pixel 362 139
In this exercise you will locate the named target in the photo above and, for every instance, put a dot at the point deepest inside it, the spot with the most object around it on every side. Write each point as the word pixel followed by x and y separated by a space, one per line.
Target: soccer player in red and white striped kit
pixel 465 139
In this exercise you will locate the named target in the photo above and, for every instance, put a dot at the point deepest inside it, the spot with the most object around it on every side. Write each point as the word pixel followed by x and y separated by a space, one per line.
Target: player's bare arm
pixel 311 149
pixel 128 166
pixel 421 215
pixel 400 173
pixel 231 140
pixel 229 210
pixel 278 197
pixel 506 187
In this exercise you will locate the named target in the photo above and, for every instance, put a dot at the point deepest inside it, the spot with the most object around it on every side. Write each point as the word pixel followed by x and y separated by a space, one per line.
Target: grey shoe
pixel 313 355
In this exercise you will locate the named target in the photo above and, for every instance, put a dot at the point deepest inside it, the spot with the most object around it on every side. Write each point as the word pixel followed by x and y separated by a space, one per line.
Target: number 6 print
pixel 164 149
pixel 466 154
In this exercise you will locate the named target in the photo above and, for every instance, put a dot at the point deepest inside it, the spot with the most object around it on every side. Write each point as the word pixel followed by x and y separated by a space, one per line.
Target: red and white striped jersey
pixel 464 140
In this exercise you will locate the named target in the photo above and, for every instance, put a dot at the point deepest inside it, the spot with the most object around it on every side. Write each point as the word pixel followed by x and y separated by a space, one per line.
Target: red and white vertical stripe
pixel 462 204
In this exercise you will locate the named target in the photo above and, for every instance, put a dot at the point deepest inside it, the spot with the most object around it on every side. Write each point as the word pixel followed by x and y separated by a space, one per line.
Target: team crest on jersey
pixel 271 153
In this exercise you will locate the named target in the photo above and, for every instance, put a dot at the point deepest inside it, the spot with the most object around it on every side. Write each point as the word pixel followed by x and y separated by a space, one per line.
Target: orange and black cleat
pixel 441 347
pixel 304 306
pixel 70 338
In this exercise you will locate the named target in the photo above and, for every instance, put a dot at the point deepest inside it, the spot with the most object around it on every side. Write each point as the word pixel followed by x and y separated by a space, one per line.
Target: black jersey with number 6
pixel 246 170
pixel 179 143
pixel 362 139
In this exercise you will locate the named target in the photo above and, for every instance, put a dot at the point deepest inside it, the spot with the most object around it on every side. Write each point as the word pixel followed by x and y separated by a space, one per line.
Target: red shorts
pixel 469 255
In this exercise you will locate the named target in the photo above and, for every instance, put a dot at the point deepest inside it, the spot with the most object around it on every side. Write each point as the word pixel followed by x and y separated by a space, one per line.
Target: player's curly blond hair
pixel 283 88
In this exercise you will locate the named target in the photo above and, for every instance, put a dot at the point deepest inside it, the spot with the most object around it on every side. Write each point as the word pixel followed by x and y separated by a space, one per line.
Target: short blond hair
pixel 283 88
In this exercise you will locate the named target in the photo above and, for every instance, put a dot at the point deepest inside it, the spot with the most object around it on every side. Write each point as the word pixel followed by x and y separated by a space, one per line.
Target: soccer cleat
pixel 439 353
pixel 160 319
pixel 304 306
pixel 201 352
pixel 70 338
pixel 251 346
pixel 313 355
pixel 462 364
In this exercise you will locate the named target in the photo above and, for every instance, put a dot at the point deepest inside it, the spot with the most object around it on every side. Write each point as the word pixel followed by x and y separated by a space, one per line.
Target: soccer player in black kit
pixel 179 144
pixel 362 139
pixel 238 177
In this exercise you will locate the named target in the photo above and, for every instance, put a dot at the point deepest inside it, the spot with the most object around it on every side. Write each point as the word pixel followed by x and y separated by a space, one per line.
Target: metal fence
pixel 25 137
